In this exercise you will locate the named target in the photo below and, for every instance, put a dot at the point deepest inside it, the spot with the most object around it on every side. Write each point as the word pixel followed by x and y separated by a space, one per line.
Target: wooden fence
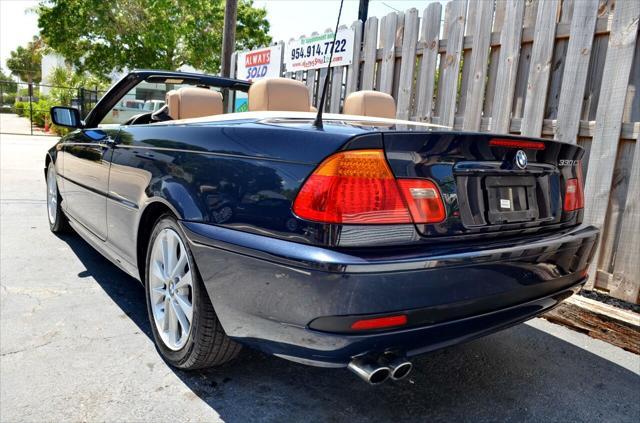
pixel 563 69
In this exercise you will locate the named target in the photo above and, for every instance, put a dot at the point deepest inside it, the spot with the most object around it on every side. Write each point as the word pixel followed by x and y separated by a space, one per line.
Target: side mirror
pixel 66 116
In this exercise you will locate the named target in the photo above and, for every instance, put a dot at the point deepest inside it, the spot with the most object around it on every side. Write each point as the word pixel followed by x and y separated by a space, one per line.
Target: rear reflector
pixel 380 322
pixel 424 200
pixel 528 145
pixel 573 192
pixel 357 187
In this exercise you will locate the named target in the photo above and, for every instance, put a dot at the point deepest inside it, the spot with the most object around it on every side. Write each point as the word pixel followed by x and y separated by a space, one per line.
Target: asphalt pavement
pixel 75 345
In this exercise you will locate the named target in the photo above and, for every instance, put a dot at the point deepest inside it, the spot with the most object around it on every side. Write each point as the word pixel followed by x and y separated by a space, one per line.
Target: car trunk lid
pixel 489 183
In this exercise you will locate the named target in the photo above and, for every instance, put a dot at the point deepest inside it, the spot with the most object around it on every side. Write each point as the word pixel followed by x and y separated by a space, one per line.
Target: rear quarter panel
pixel 240 175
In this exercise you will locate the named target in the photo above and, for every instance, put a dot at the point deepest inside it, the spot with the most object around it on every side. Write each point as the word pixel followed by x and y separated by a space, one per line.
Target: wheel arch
pixel 151 213
pixel 48 159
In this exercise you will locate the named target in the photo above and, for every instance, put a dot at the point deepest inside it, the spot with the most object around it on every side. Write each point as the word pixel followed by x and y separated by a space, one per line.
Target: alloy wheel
pixel 171 289
pixel 52 194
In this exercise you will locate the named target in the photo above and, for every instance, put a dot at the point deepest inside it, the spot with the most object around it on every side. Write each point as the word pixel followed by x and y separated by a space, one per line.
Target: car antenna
pixel 318 122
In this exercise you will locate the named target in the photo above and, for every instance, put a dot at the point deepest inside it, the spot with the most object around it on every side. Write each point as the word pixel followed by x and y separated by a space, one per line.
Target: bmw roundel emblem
pixel 521 159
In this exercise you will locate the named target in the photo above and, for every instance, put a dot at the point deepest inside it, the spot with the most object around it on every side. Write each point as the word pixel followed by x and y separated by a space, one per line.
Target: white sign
pixel 313 52
pixel 257 64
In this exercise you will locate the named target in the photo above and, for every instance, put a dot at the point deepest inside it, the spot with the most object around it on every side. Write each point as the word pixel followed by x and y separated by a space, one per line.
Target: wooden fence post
pixel 408 64
pixel 575 71
pixel 448 84
pixel 538 81
pixel 510 38
pixel 427 67
pixel 353 72
pixel 369 50
pixel 478 66
pixel 388 44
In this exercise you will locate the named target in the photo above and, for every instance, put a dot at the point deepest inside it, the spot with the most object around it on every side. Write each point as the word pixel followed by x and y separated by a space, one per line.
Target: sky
pixel 293 18
pixel 17 26
pixel 288 18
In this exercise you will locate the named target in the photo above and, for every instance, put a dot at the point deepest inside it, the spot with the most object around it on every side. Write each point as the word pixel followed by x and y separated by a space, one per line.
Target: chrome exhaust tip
pixel 399 365
pixel 371 371
pixel 401 371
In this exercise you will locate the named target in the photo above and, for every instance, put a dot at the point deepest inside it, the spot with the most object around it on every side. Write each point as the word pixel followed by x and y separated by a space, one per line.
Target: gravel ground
pixel 75 345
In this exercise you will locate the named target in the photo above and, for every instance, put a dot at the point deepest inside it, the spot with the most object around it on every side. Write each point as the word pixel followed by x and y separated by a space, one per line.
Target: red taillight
pixel 357 187
pixel 573 192
pixel 380 322
pixel 424 200
pixel 528 145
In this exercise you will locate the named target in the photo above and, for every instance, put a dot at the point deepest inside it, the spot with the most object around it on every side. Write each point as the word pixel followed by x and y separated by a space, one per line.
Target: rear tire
pixel 58 222
pixel 185 327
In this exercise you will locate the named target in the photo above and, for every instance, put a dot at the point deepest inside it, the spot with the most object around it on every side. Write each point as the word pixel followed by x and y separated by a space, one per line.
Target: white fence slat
pixel 370 48
pixel 449 77
pixel 335 89
pixel 510 38
pixel 558 62
pixel 540 69
pixel 478 66
pixel 397 60
pixel 575 72
pixel 388 27
pixel 353 72
pixel 472 7
pixel 322 76
pixel 441 61
pixel 604 147
pixel 427 67
pixel 524 62
pixel 408 63
pixel 494 59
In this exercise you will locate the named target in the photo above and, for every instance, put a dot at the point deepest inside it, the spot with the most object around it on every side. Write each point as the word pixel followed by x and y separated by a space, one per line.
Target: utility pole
pixel 363 10
pixel 229 35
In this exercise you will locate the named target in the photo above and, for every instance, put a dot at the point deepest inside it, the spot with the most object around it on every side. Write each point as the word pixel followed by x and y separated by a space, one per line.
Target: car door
pixel 87 157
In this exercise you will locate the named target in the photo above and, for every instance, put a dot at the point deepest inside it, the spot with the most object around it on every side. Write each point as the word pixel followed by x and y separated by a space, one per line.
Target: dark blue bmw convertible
pixel 358 242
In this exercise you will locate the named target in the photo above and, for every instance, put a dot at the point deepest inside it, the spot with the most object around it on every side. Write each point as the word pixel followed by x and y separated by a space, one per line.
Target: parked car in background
pixel 124 111
pixel 358 242
pixel 153 105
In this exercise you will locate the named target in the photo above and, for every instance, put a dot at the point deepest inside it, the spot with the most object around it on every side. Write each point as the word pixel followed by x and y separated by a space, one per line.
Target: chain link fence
pixel 24 107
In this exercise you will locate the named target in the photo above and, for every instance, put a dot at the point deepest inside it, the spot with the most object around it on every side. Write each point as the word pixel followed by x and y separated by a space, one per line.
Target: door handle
pixel 108 142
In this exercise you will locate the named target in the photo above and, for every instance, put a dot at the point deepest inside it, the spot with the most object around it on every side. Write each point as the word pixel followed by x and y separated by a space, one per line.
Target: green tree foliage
pixel 65 84
pixel 101 36
pixel 25 62
pixel 7 84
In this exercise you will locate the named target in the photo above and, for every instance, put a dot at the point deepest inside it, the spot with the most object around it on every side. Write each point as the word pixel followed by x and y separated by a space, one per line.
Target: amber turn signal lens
pixel 355 187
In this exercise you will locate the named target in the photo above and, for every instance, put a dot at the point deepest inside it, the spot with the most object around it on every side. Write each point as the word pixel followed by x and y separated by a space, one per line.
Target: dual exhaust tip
pixel 376 370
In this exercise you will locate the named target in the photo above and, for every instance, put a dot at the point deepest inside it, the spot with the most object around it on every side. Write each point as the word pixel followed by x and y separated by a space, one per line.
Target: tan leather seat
pixel 193 102
pixel 279 94
pixel 370 103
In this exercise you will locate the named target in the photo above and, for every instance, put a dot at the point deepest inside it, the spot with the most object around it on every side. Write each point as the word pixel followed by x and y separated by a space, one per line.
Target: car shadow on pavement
pixel 519 374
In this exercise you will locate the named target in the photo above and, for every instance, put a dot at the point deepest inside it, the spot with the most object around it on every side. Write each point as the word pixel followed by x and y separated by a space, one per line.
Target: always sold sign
pixel 258 64
pixel 313 52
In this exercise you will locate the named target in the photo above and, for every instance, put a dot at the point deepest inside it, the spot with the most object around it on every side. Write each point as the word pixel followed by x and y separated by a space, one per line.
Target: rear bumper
pixel 266 292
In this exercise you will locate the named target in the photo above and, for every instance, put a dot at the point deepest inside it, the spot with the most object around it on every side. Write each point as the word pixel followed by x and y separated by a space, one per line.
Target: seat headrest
pixel 280 94
pixel 193 102
pixel 370 103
